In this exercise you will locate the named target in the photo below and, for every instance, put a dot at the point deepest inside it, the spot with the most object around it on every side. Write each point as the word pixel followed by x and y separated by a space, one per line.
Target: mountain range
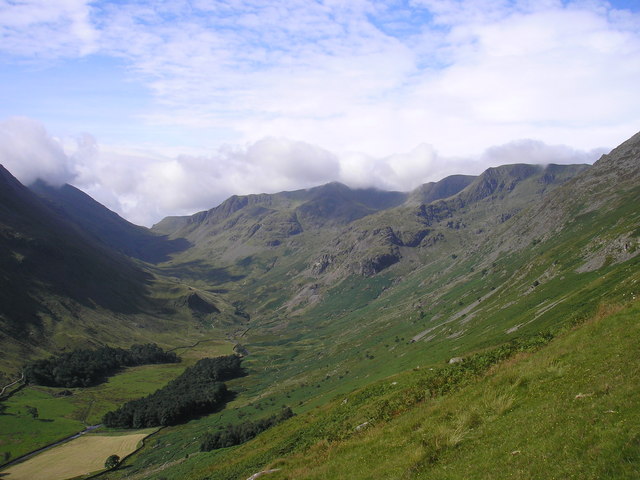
pixel 324 290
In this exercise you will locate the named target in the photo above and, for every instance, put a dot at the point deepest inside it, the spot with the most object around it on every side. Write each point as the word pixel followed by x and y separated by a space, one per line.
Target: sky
pixel 168 107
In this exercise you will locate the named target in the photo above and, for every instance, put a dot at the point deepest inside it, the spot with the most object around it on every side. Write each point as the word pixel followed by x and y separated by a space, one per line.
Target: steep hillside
pixel 462 220
pixel 261 239
pixel 45 253
pixel 432 191
pixel 565 410
pixel 327 205
pixel 245 237
pixel 60 286
pixel 107 226
pixel 258 224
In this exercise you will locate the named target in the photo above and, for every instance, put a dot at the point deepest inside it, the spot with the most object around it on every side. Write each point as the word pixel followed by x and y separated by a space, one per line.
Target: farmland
pixel 78 457
pixel 60 416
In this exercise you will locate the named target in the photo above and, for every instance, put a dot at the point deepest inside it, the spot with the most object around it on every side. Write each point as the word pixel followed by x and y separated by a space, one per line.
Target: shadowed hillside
pixel 107 226
pixel 45 253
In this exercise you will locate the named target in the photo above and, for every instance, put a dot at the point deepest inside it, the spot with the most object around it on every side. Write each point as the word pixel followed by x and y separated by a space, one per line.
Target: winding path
pixel 11 384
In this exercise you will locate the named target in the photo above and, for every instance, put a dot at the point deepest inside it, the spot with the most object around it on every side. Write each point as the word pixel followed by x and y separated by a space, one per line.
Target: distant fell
pixel 448 186
pixel 327 205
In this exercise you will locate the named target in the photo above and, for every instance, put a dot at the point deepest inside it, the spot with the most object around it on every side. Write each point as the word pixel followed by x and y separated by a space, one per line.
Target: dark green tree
pixel 112 461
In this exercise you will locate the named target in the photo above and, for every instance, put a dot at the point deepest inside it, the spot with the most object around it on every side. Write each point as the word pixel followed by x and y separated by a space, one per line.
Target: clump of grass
pixel 497 401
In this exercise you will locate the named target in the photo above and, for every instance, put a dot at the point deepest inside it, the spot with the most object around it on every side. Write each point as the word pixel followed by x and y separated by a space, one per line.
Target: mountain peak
pixel 432 191
pixel 624 157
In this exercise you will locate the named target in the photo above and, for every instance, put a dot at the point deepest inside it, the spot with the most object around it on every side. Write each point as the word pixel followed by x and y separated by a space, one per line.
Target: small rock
pixel 265 472
pixel 584 395
pixel 362 426
pixel 456 360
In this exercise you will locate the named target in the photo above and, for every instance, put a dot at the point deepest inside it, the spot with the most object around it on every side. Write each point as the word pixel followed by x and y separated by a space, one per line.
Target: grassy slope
pixel 324 354
pixel 569 410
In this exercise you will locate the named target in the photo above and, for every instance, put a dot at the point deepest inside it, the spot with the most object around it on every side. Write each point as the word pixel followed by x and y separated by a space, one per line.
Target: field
pixel 345 352
pixel 62 416
pixel 81 456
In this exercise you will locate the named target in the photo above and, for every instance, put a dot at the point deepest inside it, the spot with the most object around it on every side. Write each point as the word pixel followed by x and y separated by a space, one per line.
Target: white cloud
pixel 145 188
pixel 47 29
pixel 368 75
pixel 29 153
pixel 354 83
pixel 537 152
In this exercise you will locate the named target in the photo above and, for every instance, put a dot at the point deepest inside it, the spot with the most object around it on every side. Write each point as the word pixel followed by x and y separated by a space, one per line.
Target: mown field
pixel 80 456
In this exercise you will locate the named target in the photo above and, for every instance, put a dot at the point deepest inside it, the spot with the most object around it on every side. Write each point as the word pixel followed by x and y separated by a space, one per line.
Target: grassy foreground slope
pixel 570 409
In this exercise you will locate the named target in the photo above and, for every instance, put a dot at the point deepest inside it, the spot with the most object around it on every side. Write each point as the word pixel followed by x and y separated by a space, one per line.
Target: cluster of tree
pixel 83 367
pixel 236 434
pixel 197 391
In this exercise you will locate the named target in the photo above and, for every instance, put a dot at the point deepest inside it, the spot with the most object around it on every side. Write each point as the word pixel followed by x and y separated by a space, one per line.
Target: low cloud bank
pixel 29 153
pixel 145 188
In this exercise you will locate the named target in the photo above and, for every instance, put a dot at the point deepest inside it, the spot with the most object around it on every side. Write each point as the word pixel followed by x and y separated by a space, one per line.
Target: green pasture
pixel 61 416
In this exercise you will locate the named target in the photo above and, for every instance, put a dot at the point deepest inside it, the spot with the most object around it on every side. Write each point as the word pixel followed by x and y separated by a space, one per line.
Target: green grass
pixel 306 368
pixel 323 355
pixel 568 410
pixel 20 433
pixel 359 336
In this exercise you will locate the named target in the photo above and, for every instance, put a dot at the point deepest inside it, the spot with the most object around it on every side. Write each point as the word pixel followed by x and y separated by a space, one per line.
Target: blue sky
pixel 168 107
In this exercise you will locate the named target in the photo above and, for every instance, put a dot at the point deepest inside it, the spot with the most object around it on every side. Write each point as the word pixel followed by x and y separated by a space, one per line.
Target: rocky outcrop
pixel 372 265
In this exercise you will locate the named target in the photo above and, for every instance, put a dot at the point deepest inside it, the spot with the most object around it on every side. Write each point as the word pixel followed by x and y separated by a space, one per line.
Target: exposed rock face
pixel 322 264
pixel 264 472
pixel 374 243
pixel 373 265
